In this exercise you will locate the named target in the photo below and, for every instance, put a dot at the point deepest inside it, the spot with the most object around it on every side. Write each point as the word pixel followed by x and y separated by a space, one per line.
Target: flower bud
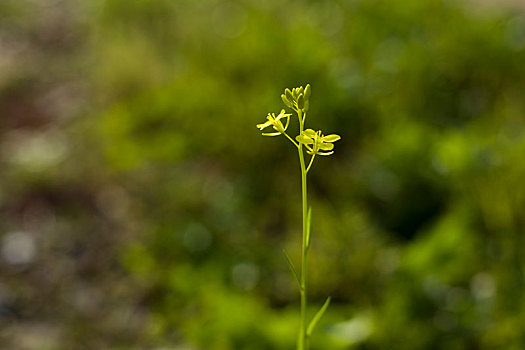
pixel 300 101
pixel 307 92
pixel 286 101
pixel 288 95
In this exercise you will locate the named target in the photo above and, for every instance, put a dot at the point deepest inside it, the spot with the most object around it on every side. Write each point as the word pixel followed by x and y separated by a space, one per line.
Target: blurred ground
pixel 141 208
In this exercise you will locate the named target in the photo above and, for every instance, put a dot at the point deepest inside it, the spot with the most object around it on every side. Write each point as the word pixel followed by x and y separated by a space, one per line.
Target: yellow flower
pixel 315 141
pixel 276 123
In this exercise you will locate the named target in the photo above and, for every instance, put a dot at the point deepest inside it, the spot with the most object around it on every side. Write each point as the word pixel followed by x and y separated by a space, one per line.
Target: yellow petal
pixel 303 139
pixel 326 146
pixel 279 126
pixel 309 133
pixel 331 138
pixel 325 153
pixel 264 125
pixel 282 115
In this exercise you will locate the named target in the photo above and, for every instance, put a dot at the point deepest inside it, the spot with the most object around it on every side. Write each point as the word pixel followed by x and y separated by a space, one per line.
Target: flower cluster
pixel 276 123
pixel 298 98
pixel 314 142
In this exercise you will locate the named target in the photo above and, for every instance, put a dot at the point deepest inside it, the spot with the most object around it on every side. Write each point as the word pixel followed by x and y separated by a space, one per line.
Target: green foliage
pixel 317 317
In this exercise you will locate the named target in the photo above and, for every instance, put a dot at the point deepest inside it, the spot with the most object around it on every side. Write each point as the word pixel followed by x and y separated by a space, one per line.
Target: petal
pixel 271 133
pixel 282 115
pixel 264 125
pixel 309 133
pixel 331 138
pixel 304 140
pixel 326 146
pixel 325 153
pixel 279 126
pixel 287 121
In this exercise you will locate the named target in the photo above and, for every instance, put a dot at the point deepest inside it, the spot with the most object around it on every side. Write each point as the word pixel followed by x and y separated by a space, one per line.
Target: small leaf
pixel 286 101
pixel 307 92
pixel 308 226
pixel 317 317
pixel 292 267
pixel 300 101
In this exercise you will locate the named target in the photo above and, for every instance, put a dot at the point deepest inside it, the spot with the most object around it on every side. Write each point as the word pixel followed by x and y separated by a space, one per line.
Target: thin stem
pixel 311 162
pixel 302 342
pixel 289 138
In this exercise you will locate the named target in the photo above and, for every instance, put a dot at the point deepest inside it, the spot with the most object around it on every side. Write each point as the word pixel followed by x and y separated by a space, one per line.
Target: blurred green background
pixel 140 208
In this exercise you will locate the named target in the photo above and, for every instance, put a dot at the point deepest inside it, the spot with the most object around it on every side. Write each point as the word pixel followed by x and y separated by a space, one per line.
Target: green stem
pixel 311 162
pixel 302 342
pixel 289 138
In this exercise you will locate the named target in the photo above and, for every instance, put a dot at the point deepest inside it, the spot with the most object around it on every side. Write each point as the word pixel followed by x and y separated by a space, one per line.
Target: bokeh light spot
pixel 18 248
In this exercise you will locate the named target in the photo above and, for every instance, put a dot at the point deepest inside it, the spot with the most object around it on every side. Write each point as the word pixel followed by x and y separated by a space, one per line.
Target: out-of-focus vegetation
pixel 141 208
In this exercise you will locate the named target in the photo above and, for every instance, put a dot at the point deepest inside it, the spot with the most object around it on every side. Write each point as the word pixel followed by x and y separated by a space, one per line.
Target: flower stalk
pixel 315 143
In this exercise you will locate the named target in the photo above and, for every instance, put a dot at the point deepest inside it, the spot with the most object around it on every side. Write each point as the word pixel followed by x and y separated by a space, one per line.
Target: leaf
pixel 292 267
pixel 308 226
pixel 317 317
